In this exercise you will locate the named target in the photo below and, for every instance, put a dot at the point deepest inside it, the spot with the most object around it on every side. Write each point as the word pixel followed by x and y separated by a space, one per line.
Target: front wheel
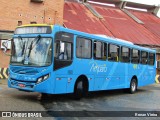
pixel 133 86
pixel 80 89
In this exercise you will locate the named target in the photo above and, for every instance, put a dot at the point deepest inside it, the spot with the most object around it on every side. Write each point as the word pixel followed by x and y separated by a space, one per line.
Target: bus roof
pixel 105 38
pixel 93 36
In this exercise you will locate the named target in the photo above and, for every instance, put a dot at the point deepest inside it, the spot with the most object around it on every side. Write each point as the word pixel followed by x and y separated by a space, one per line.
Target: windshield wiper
pixel 33 43
pixel 23 49
pixel 22 45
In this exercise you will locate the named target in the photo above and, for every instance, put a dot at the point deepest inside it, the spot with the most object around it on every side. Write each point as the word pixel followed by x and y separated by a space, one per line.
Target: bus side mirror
pixel 5 46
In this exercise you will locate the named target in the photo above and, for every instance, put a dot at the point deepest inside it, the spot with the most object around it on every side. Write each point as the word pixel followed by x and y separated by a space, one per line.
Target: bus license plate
pixel 21 85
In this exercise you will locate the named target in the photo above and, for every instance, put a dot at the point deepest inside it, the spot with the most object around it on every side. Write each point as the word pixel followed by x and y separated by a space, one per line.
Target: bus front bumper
pixel 42 87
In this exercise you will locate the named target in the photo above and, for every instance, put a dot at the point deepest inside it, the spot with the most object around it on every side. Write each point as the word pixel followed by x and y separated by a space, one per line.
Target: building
pixel 137 23
pixel 115 18
pixel 17 12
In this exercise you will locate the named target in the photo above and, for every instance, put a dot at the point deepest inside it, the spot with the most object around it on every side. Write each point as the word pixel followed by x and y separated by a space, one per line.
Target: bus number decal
pixel 135 66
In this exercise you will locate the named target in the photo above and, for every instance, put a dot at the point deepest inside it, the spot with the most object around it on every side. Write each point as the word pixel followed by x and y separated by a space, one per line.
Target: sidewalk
pixel 3 81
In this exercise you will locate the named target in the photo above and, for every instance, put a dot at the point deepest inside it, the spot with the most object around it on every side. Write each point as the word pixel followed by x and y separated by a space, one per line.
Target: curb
pixel 3 81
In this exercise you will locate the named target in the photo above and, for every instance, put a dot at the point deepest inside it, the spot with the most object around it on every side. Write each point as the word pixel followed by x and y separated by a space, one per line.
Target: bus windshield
pixel 31 51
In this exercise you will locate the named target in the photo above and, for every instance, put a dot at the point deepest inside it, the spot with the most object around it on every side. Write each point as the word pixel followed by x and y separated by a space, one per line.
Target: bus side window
pixel 144 57
pixel 113 53
pixel 83 48
pixel 125 54
pixel 135 56
pixel 63 50
pixel 63 46
pixel 151 59
pixel 100 50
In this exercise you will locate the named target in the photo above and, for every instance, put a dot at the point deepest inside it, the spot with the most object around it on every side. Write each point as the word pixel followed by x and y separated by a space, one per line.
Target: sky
pixel 148 2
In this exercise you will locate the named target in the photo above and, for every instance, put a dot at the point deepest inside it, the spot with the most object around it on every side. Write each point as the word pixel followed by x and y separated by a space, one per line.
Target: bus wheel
pixel 79 89
pixel 133 86
pixel 44 96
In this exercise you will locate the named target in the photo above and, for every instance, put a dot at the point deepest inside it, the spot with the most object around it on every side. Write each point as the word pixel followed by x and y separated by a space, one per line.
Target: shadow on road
pixel 92 95
pixel 34 97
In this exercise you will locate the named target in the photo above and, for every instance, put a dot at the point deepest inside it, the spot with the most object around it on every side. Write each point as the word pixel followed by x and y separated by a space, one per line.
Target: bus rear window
pixel 151 58
pixel 33 30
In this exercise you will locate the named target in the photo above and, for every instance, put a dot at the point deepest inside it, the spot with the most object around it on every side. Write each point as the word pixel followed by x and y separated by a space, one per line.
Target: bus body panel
pixel 101 74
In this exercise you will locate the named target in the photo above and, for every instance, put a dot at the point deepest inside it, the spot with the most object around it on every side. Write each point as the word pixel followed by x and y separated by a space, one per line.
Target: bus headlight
pixel 43 78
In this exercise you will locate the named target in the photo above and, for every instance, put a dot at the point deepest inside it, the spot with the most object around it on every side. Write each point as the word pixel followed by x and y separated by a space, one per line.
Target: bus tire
pixel 44 96
pixel 133 86
pixel 80 89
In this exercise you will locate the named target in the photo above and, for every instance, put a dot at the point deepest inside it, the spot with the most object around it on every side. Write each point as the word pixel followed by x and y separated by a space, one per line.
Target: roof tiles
pixel 151 22
pixel 78 17
pixel 114 23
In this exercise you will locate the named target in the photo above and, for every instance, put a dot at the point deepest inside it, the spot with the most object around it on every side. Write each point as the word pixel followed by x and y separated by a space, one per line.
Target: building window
pixel 19 23
pixel 84 48
pixel 39 1
pixel 33 22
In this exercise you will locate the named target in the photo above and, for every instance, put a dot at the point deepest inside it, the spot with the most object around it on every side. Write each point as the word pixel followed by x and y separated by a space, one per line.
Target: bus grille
pixel 28 71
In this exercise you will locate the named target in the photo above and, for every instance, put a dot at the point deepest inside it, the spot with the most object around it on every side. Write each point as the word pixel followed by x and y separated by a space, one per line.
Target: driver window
pixel 63 47
pixel 64 52
pixel 61 55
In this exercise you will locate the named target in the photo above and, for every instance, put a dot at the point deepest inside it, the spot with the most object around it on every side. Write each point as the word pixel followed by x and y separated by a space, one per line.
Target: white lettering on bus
pixel 98 68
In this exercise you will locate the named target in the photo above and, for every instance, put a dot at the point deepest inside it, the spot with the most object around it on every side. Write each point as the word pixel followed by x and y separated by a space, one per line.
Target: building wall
pixel 12 11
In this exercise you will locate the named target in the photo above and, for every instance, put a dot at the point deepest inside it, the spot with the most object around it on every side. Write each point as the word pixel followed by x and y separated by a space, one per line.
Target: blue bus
pixel 51 59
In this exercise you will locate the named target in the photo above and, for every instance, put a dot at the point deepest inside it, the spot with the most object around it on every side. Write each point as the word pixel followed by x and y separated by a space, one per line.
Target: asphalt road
pixel 145 99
